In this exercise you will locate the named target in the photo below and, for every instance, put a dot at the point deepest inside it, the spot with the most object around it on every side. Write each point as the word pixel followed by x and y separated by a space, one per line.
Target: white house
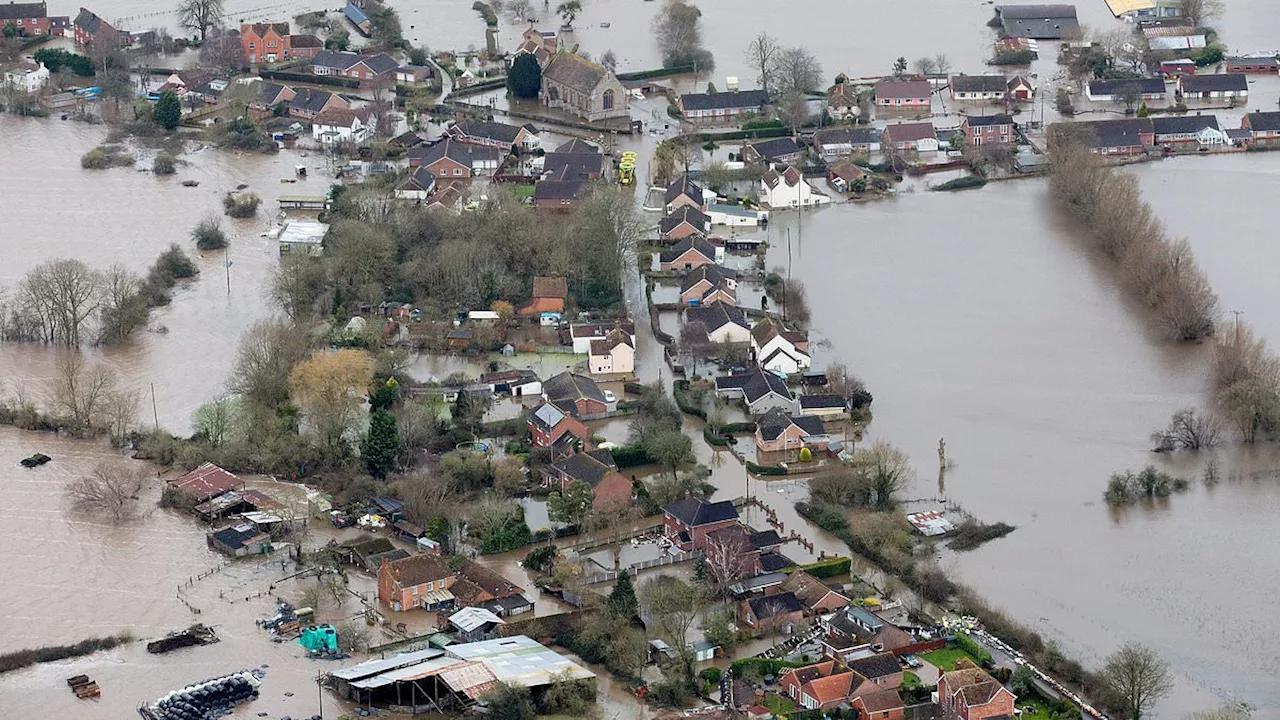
pixel 417 186
pixel 761 391
pixel 26 76
pixel 788 189
pixel 779 350
pixel 337 125
pixel 616 353
pixel 723 323
pixel 583 334
pixel 733 215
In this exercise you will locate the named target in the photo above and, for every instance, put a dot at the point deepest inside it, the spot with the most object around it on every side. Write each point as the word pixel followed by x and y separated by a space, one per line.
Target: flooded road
pixel 1004 335
pixel 54 209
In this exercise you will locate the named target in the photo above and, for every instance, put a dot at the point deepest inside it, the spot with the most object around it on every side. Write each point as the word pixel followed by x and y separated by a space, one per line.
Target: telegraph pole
pixel 1237 313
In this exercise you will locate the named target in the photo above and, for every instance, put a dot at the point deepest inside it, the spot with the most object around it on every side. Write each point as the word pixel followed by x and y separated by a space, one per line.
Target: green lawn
pixel 777 704
pixel 522 191
pixel 947 658
pixel 910 680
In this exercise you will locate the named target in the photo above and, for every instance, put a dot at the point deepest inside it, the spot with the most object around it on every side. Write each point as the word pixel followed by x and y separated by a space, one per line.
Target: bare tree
pixel 942 63
pixel 1202 12
pixel 120 414
pixel 1188 430
pixel 762 57
pixel 111 489
pixel 520 10
pixel 1129 94
pixel 354 635
pixel 1137 677
pixel 795 111
pixel 79 390
pixel 678 30
pixel 924 66
pixel 671 605
pixel 62 295
pixel 799 72
pixel 200 16
pixel 695 344
pixel 727 559
pixel 609 60
pixel 222 51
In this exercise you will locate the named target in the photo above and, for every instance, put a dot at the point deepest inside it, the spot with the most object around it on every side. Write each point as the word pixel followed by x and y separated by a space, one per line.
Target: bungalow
pixel 380 66
pixel 1117 90
pixel 911 94
pixel 788 189
pixel 239 540
pixel 549 294
pixel 581 335
pixel 307 103
pixel 842 99
pixel 723 105
pixel 817 598
pixel 560 193
pixel 453 160
pixel 1019 88
pixel 688 254
pixel 495 134
pixel 779 350
pixel 771 613
pixel 978 87
pixel 615 354
pixel 1038 22
pixel 305 47
pixel 577 395
pixel 1173 69
pixel 969 693
pixel 1205 87
pixel 1183 128
pixel 920 136
pixel 988 129
pixel 417 186
pixel 685 221
pixel 572 166
pixel 882 669
pixel 784 436
pixel 834 143
pixel 583 88
pixel 337 126
pixel 597 469
pixel 686 523
pixel 737 216
pixel 413 74
pixel 1131 136
pixel 1266 65
pixel 685 192
pixel 707 284
pixel 516 383
pixel 1262 125
pixel 548 424
pixel 845 177
pixel 783 150
pixel 761 391
pixel 881 705
pixel 823 406
pixel 852 632
pixel 723 323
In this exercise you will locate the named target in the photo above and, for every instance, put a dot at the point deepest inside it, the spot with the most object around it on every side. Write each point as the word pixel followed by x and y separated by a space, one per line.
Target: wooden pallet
pixel 83 687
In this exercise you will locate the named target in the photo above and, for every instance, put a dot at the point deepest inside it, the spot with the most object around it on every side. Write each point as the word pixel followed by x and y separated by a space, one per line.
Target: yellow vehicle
pixel 626 172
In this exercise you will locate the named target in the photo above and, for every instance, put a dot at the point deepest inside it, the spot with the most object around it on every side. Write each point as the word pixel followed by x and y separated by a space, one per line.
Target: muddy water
pixel 980 318
pixel 54 209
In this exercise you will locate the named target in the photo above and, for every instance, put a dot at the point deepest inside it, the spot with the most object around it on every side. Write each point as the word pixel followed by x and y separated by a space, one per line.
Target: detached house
pixel 265 42
pixel 31 18
pixel 453 160
pixel 825 685
pixel 988 130
pixel 783 436
pixel 577 395
pixel 787 188
pixel 772 613
pixel 777 349
pixel 907 94
pixel 494 134
pixel 685 193
pixel 91 30
pixel 855 630
pixel 1201 129
pixel 920 137
pixel 723 323
pixel 1209 87
pixel 548 423
pixel 978 87
pixel 615 354
pixel 1262 125
pixel 685 221
pixel 842 99
pixel 767 152
pixel 26 77
pixel 723 105
pixel 581 335
pixel 597 469
pixel 686 523
pixel 969 693
pixel 307 103
pixel 881 669
pixel 709 284
pixel 1131 136
pixel 354 65
pixel 338 125
pixel 689 253
pixel 881 705
pixel 417 186
pixel 426 581
pixel 834 143
pixel 818 599
pixel 583 88
pixel 1115 90
pixel 761 391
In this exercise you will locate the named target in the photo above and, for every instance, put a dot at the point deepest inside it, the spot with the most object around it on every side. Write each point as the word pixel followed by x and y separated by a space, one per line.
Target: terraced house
pixel 32 19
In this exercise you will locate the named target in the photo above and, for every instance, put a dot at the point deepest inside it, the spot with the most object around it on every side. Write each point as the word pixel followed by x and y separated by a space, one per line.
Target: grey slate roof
pixel 1215 83
pixel 566 165
pixel 1264 121
pixel 684 214
pixel 500 132
pixel 574 71
pixel 571 387
pixel 576 145
pixel 847 136
pixel 714 274
pixel 989 120
pixel 771 605
pixel 582 466
pixel 1041 22
pixel 821 401
pixel 978 83
pixel 876 666
pixel 310 100
pixel 1145 86
pixel 559 189
pixel 458 152
pixel 22 11
pixel 775 148
pixel 755 384
pixel 87 21
pixel 694 512
pixel 693 242
pixel 1179 124
pixel 684 186
pixel 1111 133
pixel 715 316
pixel 733 100
pixel 775 422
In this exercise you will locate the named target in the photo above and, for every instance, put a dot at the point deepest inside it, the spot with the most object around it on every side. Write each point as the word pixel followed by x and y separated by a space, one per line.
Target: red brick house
pixel 784 436
pixel 687 522
pixel 921 137
pixel 1173 69
pixel 771 613
pixel 549 423
pixel 816 598
pixel 708 284
pixel 454 161
pixel 426 581
pixel 988 129
pixel 683 222
pixel 597 469
pixel 824 685
pixel 882 670
pixel 904 94
pixel 265 42
pixel 685 192
pixel 305 47
pixel 29 18
pixel 881 705
pixel 689 253
pixel 1262 125
pixel 93 30
pixel 578 395
pixel 969 693
pixel 1264 65
pixel 380 66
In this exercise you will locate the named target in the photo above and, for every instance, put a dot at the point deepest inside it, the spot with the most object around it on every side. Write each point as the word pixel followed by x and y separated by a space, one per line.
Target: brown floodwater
pixel 54 209
pixel 981 318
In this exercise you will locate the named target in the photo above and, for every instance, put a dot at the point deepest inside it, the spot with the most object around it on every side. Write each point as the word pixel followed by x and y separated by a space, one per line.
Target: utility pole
pixel 155 414
pixel 226 260
pixel 320 695
pixel 1237 313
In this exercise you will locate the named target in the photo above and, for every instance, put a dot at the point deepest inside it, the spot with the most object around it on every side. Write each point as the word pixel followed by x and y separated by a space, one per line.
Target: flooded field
pixel 1010 340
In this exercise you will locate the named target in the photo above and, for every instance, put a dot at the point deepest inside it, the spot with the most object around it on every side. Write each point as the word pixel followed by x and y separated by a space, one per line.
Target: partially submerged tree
pixel 328 389
pixel 200 16
pixel 678 31
pixel 1138 678
pixel 111 489
pixel 1188 430
pixel 762 57
pixel 572 505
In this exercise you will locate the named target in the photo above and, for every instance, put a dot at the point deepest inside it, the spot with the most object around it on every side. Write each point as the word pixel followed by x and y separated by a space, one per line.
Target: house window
pixel 250 46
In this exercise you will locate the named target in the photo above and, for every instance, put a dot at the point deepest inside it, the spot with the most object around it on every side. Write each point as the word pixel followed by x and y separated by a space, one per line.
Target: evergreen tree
pixel 622 601
pixel 525 78
pixel 381 444
pixel 168 110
